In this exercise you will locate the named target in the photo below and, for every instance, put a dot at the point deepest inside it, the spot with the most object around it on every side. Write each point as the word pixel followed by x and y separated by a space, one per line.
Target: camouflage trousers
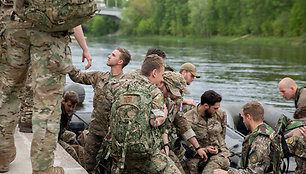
pixel 93 144
pixel 215 162
pixel 50 56
pixel 26 107
pixel 157 163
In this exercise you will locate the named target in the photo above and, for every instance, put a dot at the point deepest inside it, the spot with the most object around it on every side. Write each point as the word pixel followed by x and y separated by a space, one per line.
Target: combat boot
pixel 50 170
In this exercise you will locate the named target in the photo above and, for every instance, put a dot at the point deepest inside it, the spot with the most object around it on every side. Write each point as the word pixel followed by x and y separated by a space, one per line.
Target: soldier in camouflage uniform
pixel 189 72
pixel 98 128
pixel 209 124
pixel 256 148
pixel 290 91
pixel 67 138
pixel 50 57
pixel 177 126
pixel 151 76
pixel 296 142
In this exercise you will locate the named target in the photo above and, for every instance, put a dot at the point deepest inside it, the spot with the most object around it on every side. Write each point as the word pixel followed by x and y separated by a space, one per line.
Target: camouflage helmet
pixel 176 83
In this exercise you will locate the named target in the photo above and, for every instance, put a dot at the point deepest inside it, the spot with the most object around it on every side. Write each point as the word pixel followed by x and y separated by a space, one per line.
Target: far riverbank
pixel 246 39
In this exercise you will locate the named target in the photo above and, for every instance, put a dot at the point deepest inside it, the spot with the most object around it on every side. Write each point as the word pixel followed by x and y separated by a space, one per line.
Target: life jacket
pixel 56 15
pixel 283 125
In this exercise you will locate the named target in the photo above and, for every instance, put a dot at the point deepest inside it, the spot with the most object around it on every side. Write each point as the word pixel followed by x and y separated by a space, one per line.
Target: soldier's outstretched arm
pixel 79 36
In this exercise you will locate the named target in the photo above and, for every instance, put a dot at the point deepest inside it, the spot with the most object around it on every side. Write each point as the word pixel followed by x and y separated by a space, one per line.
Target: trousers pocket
pixel 59 61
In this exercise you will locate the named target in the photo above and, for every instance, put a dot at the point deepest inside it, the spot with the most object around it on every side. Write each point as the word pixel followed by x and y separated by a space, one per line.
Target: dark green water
pixel 240 73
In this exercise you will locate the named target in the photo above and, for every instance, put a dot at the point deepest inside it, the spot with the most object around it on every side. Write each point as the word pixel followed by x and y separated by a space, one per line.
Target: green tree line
pixel 205 18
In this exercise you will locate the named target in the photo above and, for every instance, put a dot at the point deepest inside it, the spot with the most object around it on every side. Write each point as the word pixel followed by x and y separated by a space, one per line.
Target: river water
pixel 240 73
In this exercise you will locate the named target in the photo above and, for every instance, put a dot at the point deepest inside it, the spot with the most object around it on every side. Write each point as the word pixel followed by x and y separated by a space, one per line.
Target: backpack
pixel 283 125
pixel 59 15
pixel 131 132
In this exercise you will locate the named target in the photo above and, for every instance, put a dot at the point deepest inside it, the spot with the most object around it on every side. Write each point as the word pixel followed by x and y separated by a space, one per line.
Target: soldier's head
pixel 300 112
pixel 287 88
pixel 157 51
pixel 119 57
pixel 252 112
pixel 210 101
pixel 174 85
pixel 70 101
pixel 189 71
pixel 153 67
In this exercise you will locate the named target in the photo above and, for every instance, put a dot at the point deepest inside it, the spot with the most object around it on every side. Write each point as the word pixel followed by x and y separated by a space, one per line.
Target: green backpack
pixel 131 132
pixel 59 15
pixel 283 125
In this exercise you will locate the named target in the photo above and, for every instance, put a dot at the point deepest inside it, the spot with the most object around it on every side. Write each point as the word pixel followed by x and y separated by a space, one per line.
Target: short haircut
pixel 254 109
pixel 71 96
pixel 210 97
pixel 125 56
pixel 181 70
pixel 157 51
pixel 150 63
pixel 300 112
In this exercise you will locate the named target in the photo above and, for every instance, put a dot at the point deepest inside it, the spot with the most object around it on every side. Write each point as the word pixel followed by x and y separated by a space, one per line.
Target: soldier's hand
pixel 272 135
pixel 294 132
pixel 86 55
pixel 212 150
pixel 202 154
pixel 303 132
pixel 219 171
pixel 165 150
pixel 165 110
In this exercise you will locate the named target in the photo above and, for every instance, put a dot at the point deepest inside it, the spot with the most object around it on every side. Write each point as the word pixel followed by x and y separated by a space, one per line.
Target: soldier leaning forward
pixel 256 152
pixel 177 126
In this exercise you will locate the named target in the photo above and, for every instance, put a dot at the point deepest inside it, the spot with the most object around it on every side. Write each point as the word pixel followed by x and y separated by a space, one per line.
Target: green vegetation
pixel 208 19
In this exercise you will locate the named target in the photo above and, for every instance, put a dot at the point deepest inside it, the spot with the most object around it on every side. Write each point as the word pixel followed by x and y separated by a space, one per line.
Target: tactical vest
pixel 131 133
pixel 263 129
pixel 298 93
pixel 56 15
pixel 283 125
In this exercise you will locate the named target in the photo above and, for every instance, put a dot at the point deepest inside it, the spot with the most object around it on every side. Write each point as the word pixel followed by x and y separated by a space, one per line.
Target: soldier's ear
pixel 120 62
pixel 154 73
pixel 206 106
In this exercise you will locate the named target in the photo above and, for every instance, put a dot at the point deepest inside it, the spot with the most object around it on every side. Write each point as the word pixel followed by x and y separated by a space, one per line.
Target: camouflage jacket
pixel 300 98
pixel 297 146
pixel 176 123
pixel 256 151
pixel 209 131
pixel 99 117
pixel 132 74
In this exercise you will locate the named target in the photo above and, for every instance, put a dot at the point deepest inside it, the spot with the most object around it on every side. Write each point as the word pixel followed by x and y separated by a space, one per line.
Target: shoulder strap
pixel 297 94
